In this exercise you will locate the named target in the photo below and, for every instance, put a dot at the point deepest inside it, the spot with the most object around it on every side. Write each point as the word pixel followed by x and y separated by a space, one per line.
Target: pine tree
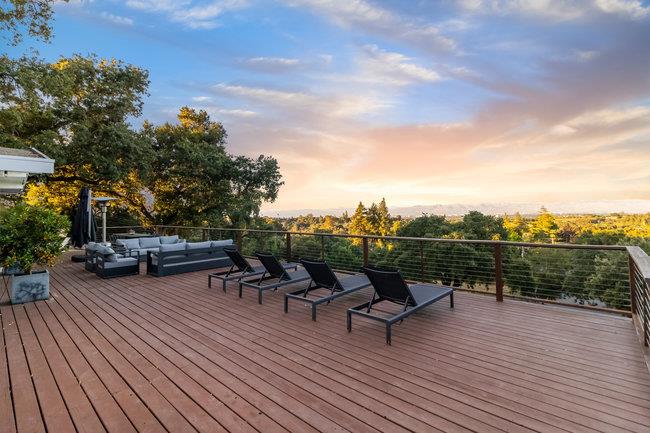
pixel 516 227
pixel 373 220
pixel 385 224
pixel 543 228
pixel 359 221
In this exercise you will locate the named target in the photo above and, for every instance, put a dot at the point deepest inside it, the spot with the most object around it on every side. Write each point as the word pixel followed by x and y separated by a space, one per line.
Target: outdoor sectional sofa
pixel 172 259
pixel 141 246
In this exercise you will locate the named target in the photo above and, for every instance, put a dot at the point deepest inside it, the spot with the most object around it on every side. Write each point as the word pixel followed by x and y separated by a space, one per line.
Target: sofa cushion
pixel 108 253
pixel 129 244
pixel 197 245
pixel 149 242
pixel 121 262
pixel 172 247
pixel 222 243
pixel 143 251
pixel 94 246
pixel 169 239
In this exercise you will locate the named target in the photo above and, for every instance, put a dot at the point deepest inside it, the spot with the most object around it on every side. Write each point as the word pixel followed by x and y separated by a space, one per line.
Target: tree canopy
pixel 79 110
pixel 31 16
pixel 194 179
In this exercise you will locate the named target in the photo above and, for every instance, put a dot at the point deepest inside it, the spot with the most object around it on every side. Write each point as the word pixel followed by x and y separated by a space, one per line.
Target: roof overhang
pixel 15 166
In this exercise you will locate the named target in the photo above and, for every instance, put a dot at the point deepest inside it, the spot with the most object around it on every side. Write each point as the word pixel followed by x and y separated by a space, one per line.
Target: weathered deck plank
pixel 152 354
pixel 7 419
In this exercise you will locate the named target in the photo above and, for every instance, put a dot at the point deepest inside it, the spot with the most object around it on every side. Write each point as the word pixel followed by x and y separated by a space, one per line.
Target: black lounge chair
pixel 273 270
pixel 240 268
pixel 390 286
pixel 322 277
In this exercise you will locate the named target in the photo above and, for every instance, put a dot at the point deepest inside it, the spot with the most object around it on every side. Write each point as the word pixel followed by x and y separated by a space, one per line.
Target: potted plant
pixel 31 238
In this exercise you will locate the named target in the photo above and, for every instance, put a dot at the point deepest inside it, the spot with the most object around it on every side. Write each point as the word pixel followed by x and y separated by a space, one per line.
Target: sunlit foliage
pixel 79 111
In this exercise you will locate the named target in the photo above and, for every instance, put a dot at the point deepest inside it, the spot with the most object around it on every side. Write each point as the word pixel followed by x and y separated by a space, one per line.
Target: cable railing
pixel 639 268
pixel 588 276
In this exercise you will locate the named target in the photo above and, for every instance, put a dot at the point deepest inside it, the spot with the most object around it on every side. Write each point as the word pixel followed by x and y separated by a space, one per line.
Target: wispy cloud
pixel 188 12
pixel 271 64
pixel 116 19
pixel 300 104
pixel 273 61
pixel 629 8
pixel 217 112
pixel 261 94
pixel 394 68
pixel 561 10
pixel 363 15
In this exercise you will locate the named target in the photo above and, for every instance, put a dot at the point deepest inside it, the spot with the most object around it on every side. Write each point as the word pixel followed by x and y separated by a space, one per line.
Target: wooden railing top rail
pixel 405 238
pixel 642 261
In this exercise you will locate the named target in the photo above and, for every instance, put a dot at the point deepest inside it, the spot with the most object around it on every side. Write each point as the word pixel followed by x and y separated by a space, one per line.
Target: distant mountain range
pixel 587 207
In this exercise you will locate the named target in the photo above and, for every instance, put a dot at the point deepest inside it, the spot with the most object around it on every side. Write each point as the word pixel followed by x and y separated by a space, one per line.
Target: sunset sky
pixel 421 102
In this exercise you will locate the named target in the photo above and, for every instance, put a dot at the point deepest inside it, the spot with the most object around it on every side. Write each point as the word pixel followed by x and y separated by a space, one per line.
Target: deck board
pixel 147 354
pixel 7 419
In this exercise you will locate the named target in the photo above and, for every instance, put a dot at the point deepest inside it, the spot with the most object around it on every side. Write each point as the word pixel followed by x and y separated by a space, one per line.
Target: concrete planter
pixel 29 287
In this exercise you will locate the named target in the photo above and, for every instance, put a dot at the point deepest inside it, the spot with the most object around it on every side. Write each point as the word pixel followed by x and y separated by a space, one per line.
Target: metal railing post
pixel 288 247
pixel 498 272
pixel 365 251
pixel 422 260
pixel 322 247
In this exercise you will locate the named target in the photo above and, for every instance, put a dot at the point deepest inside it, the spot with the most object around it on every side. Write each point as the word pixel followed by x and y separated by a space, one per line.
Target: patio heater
pixel 103 205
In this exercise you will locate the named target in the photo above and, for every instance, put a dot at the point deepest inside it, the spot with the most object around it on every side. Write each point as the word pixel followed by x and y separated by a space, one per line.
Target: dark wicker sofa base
pixel 108 269
pixel 160 264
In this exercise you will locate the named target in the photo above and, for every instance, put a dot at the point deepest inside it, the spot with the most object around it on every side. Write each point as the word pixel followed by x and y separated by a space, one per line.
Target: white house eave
pixel 26 164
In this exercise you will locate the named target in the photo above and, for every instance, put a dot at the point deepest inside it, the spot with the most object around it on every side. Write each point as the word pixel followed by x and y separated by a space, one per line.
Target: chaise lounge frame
pixel 322 277
pixel 240 268
pixel 273 270
pixel 390 286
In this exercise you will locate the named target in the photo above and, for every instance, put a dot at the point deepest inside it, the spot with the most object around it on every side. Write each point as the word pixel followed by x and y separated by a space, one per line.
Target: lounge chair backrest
pixel 389 285
pixel 272 265
pixel 321 273
pixel 237 259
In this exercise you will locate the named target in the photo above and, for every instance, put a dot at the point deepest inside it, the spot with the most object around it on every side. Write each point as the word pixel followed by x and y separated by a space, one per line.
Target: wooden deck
pixel 146 354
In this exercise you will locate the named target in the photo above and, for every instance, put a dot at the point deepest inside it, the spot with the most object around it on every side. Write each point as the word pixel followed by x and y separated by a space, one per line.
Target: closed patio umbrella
pixel 84 227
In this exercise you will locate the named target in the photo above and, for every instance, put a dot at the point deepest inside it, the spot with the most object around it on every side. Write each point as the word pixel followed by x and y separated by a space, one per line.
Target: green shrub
pixel 30 235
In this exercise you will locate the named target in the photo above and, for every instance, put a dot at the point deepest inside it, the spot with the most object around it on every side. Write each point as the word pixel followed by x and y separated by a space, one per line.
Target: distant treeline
pixel 544 227
pixel 598 278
